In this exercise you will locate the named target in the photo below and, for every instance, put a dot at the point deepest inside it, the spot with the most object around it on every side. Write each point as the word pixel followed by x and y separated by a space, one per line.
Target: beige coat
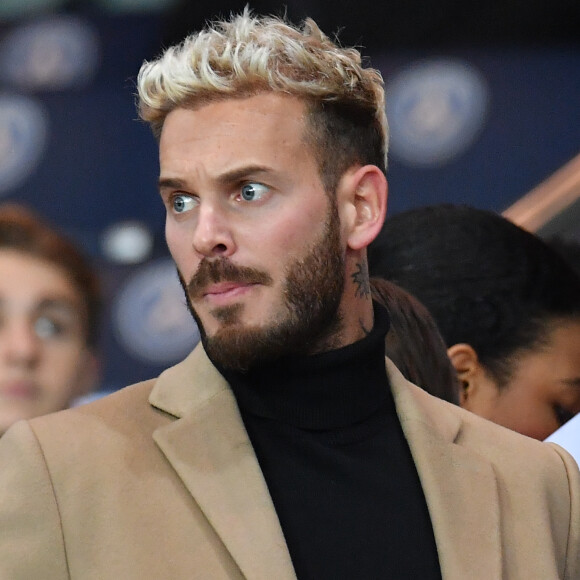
pixel 159 481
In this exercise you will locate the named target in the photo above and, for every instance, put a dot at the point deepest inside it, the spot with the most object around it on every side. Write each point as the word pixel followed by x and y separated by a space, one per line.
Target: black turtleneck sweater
pixel 337 465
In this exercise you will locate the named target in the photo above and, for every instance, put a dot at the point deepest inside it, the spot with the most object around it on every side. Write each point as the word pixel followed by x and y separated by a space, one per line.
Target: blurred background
pixel 483 101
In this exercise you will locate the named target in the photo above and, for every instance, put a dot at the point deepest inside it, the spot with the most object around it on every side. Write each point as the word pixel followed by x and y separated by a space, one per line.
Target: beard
pixel 308 320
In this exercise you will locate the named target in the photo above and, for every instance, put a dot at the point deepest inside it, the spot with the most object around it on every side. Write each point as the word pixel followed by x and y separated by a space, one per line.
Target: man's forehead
pixel 265 130
pixel 223 115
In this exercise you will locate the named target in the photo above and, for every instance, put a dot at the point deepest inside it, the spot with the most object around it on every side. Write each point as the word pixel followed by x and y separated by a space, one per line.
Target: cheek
pixel 526 413
pixel 62 370
pixel 292 237
pixel 180 251
pixel 171 237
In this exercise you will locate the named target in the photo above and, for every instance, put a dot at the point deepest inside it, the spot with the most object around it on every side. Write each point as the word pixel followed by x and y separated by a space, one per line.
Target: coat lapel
pixel 460 487
pixel 210 450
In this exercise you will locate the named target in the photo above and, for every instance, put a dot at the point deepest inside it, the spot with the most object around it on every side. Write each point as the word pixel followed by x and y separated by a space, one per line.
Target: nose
pixel 21 343
pixel 213 236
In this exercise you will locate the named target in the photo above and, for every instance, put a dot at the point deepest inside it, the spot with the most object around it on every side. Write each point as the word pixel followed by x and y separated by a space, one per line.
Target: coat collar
pixel 460 486
pixel 209 449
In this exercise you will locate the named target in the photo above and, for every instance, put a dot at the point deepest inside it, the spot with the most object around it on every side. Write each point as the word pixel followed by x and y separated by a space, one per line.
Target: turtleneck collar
pixel 319 392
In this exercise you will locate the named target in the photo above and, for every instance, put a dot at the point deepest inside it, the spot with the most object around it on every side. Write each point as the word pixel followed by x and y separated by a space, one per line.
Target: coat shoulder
pixel 106 427
pixel 129 404
pixel 507 450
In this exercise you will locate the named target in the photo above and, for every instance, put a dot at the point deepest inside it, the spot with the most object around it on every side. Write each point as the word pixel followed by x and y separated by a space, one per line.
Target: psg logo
pixel 23 130
pixel 151 318
pixel 435 111
pixel 62 52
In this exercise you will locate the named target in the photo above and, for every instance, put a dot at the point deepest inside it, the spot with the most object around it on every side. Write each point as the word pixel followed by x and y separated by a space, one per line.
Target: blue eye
pixel 46 328
pixel 253 191
pixel 183 203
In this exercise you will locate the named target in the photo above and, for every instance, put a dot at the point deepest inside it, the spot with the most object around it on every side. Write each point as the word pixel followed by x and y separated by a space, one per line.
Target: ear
pixel 477 390
pixel 466 362
pixel 367 199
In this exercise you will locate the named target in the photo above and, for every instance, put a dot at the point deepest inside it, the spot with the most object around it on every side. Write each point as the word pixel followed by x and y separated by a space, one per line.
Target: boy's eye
pixel 253 191
pixel 46 328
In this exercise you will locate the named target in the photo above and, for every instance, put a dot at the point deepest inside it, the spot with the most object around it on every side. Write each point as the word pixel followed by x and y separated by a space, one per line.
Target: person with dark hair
pixel 285 445
pixel 414 343
pixel 507 305
pixel 569 249
pixel 49 299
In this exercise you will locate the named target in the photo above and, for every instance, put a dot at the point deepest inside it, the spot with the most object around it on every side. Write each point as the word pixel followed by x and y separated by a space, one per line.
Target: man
pixel 281 448
pixel 49 300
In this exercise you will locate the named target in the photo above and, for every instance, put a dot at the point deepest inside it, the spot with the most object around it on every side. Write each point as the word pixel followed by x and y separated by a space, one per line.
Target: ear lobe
pixel 369 201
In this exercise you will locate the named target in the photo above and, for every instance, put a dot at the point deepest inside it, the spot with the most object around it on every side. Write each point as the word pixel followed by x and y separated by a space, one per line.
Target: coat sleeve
pixel 31 537
pixel 572 571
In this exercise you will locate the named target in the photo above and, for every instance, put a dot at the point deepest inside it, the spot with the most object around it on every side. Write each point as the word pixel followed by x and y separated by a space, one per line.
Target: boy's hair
pixel 247 55
pixel 23 231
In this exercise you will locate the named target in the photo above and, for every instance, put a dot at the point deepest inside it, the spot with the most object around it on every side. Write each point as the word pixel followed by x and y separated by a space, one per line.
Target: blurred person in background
pixel 49 300
pixel 414 343
pixel 507 305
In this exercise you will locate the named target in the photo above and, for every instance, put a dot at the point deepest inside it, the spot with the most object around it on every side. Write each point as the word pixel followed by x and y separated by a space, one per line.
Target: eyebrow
pixel 241 173
pixel 64 307
pixel 574 382
pixel 57 304
pixel 171 183
pixel 51 304
pixel 225 178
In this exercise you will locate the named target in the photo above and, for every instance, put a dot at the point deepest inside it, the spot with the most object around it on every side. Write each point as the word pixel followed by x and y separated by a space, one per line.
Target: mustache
pixel 222 270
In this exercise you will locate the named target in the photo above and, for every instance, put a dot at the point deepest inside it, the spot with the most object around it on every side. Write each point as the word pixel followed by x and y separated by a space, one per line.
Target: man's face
pixel 44 359
pixel 255 237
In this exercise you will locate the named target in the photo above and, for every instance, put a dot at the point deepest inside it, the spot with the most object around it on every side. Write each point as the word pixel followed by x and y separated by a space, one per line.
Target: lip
pixel 224 292
pixel 18 390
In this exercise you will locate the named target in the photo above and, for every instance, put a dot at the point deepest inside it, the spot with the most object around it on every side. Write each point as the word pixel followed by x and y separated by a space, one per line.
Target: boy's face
pixel 44 359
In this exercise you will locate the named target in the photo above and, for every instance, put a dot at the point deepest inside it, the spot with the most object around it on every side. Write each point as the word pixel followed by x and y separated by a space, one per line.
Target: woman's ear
pixel 470 373
pixel 367 197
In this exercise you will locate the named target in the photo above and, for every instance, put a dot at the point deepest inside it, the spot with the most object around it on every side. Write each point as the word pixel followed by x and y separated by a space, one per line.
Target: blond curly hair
pixel 246 55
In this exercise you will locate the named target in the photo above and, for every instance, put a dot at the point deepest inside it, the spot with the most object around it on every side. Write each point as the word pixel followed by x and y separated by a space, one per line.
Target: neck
pixel 324 390
pixel 356 307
